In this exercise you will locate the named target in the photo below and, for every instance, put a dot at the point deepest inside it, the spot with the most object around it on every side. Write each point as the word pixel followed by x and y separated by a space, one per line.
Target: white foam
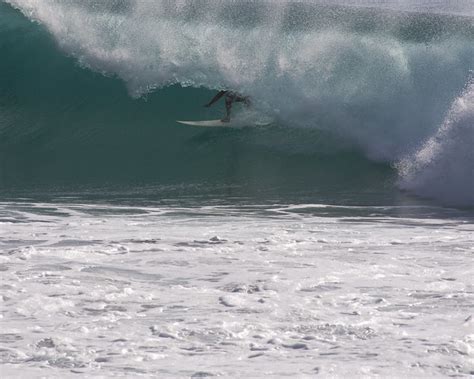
pixel 271 296
pixel 443 168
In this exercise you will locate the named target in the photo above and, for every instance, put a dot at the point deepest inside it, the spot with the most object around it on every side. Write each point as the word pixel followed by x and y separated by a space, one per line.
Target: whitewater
pixel 335 242
pixel 113 290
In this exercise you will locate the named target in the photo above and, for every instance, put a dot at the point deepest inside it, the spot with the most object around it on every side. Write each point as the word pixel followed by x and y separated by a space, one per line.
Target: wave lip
pixel 443 169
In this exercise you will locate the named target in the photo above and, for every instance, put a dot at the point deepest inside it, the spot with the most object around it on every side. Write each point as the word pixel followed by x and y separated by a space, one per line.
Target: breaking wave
pixel 378 80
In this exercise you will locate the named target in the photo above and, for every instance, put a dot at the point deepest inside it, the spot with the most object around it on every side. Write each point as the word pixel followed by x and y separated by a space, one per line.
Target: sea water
pixel 337 241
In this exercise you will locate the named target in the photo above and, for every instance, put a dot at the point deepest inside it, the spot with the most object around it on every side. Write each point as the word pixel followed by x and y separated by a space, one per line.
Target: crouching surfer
pixel 230 98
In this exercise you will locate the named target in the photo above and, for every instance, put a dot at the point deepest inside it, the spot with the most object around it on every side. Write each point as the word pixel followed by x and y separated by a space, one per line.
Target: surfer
pixel 230 97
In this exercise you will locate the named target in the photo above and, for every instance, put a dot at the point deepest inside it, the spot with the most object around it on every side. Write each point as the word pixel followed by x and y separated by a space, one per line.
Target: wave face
pixel 373 81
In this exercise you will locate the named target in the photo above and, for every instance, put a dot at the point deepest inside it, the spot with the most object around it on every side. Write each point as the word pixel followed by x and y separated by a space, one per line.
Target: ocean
pixel 336 241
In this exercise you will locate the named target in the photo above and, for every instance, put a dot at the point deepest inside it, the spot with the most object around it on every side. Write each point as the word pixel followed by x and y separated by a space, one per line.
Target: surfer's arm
pixel 216 98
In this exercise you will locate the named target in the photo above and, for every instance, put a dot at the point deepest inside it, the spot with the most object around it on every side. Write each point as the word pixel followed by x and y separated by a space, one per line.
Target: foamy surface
pixel 104 290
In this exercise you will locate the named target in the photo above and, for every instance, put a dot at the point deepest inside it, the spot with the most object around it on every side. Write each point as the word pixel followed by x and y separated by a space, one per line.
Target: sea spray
pixel 443 168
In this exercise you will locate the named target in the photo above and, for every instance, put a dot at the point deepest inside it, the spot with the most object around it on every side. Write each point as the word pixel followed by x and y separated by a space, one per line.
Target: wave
pixel 373 80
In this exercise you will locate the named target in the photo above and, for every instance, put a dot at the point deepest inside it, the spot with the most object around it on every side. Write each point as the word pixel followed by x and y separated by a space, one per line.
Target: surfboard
pixel 219 124
pixel 206 123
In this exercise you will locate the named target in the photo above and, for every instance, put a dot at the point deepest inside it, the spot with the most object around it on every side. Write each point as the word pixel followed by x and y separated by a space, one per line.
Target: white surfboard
pixel 219 124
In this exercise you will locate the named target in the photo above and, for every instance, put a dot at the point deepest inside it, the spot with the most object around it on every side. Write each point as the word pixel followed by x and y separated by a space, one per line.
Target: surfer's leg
pixel 228 108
